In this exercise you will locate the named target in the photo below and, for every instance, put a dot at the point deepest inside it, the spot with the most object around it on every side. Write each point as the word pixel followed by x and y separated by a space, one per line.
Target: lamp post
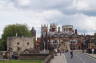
pixel 59 40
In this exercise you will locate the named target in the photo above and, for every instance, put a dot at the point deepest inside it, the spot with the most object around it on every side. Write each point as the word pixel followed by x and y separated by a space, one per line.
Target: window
pixel 18 43
pixel 18 48
pixel 27 43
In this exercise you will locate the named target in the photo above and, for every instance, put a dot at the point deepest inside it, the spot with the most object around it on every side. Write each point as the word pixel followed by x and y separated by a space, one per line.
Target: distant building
pixel 19 44
pixel 56 37
pixel 68 29
pixel 90 42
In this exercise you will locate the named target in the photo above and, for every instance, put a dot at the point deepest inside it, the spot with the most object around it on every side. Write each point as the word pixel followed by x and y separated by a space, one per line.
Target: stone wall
pixel 32 56
pixel 19 44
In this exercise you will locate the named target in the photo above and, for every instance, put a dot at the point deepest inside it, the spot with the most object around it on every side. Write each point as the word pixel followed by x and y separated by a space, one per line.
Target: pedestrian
pixel 92 50
pixel 55 50
pixel 71 54
pixel 60 51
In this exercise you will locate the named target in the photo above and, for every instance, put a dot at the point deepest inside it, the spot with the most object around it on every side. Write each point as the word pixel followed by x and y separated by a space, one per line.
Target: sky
pixel 79 13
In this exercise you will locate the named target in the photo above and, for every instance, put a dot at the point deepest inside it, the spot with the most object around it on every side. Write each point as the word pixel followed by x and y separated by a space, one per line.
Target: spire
pixel 58 29
pixel 33 31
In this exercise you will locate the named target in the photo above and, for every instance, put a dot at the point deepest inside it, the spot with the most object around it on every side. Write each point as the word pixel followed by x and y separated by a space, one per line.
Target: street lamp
pixel 59 40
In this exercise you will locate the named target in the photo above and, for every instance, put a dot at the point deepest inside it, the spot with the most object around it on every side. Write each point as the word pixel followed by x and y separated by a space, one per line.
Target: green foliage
pixel 11 31
pixel 21 61
pixel 2 45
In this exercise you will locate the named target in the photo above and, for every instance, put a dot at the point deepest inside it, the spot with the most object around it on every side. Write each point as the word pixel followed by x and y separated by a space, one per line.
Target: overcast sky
pixel 79 13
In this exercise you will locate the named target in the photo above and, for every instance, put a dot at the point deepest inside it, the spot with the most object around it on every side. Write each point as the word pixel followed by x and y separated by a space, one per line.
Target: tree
pixel 1 46
pixel 13 30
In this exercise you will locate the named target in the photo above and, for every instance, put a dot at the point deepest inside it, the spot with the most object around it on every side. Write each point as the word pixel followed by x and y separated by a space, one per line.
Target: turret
pixel 33 31
pixel 53 27
pixel 76 31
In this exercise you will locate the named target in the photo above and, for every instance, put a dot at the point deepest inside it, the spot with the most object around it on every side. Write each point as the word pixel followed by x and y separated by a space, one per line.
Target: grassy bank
pixel 21 61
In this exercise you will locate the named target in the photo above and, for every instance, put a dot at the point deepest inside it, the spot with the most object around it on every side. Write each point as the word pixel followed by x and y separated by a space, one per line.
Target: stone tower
pixel 44 30
pixel 44 33
pixel 53 27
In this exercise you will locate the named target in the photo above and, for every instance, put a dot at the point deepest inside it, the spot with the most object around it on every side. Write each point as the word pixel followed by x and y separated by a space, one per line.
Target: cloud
pixel 49 4
pixel 84 4
pixel 23 2
pixel 79 13
pixel 67 6
pixel 87 7
pixel 43 4
pixel 33 18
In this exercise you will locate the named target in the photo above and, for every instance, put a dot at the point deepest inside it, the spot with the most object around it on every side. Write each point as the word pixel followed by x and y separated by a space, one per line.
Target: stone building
pixel 68 29
pixel 19 44
pixel 90 42
pixel 57 37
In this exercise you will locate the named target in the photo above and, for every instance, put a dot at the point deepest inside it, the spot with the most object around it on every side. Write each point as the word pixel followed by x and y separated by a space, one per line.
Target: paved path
pixel 92 55
pixel 59 59
pixel 79 58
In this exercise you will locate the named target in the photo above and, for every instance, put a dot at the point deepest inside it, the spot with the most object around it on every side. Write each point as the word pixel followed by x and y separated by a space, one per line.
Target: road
pixel 79 58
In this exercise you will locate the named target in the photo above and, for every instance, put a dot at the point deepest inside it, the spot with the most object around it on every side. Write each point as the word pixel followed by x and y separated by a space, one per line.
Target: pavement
pixel 78 58
pixel 59 59
pixel 92 55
